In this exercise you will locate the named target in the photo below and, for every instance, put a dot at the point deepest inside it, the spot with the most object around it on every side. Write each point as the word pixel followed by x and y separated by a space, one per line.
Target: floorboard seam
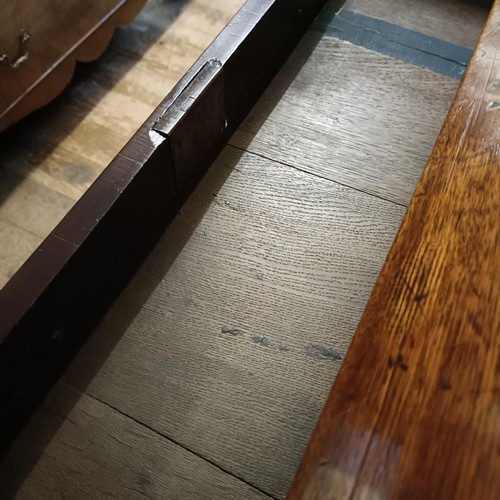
pixel 318 176
pixel 168 438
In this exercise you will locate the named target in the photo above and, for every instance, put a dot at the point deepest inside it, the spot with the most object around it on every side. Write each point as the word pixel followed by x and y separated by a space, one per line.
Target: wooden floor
pixel 50 159
pixel 207 376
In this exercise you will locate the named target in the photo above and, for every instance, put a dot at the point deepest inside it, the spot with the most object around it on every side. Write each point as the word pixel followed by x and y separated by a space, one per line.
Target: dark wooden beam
pixel 51 304
pixel 415 410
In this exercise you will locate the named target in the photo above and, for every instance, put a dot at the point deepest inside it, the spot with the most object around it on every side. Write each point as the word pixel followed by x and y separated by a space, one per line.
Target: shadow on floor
pixel 46 128
pixel 32 443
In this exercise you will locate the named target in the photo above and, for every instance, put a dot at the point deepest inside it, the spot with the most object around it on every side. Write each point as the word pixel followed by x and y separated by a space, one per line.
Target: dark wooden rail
pixel 51 304
pixel 415 410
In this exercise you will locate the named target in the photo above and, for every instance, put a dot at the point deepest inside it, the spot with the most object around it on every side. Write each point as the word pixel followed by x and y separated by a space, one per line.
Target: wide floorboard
pixel 218 357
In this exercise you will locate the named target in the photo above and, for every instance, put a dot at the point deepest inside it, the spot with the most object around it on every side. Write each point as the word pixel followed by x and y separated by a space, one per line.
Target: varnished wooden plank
pixel 223 341
pixel 77 447
pixel 350 115
pixel 414 410
pixel 456 21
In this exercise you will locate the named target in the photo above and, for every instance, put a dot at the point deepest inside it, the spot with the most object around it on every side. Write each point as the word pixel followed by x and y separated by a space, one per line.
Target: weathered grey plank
pixel 92 451
pixel 229 337
pixel 456 21
pixel 350 115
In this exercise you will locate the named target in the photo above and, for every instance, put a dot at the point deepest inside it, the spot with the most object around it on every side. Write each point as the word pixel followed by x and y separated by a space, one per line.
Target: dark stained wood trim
pixel 415 410
pixel 51 304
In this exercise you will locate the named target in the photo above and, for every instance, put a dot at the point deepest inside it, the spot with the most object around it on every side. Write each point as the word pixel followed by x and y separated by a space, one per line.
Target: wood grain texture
pixel 235 301
pixel 414 411
pixel 25 203
pixel 54 301
pixel 351 115
pixel 61 33
pixel 224 340
pixel 85 449
pixel 64 147
pixel 458 21
pixel 16 246
pixel 27 212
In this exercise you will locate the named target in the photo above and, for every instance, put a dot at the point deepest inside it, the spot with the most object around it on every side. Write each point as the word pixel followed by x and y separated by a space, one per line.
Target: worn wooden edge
pixel 413 412
pixel 55 299
pixel 56 78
